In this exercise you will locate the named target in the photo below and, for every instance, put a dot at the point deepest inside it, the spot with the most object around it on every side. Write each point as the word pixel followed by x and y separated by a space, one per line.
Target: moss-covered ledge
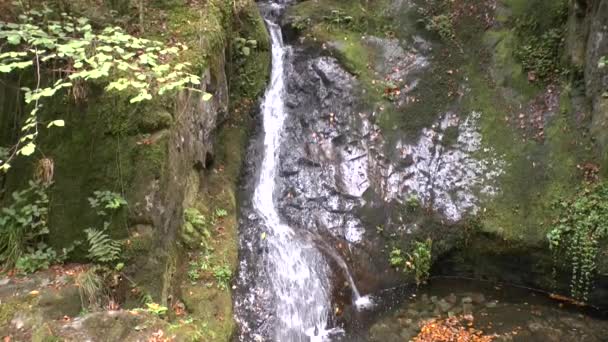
pixel 164 156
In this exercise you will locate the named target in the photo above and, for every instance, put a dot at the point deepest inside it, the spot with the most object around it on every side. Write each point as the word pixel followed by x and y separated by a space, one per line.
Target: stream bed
pixel 502 312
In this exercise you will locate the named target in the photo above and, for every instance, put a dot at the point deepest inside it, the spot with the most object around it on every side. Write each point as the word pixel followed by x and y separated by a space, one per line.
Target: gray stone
pixel 492 304
pixel 444 306
pixel 412 313
pixel 452 299
pixel 478 298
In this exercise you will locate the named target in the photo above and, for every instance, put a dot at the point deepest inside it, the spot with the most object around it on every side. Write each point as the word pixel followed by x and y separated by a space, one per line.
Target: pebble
pixel 478 298
pixel 492 304
pixel 452 299
pixel 412 313
pixel 444 306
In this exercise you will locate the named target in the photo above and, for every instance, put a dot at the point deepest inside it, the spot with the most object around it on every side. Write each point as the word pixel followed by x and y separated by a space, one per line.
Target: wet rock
pixel 56 304
pixel 492 304
pixel 425 298
pixel 478 298
pixel 546 333
pixel 467 308
pixel 444 305
pixel 452 299
pixel 412 313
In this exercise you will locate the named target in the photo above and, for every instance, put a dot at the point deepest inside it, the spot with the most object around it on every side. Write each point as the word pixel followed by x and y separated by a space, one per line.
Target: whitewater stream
pixel 297 271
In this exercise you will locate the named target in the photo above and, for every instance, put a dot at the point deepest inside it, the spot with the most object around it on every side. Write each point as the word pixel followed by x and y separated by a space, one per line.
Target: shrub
pixel 23 224
pixel 442 24
pixel 576 234
pixel 418 262
pixel 222 275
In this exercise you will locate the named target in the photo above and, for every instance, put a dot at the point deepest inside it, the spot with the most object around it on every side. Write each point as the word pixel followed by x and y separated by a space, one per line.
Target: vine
pixel 74 52
pixel 576 235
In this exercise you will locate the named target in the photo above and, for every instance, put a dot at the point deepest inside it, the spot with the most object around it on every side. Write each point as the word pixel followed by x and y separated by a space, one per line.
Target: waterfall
pixel 296 269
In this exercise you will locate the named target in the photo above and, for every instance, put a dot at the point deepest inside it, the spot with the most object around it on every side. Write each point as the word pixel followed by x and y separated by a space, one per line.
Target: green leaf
pixel 13 39
pixel 141 97
pixel 28 149
pixel 58 123
pixel 207 97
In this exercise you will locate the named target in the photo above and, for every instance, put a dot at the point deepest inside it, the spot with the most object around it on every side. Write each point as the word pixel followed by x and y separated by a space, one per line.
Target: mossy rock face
pixel 531 127
pixel 159 154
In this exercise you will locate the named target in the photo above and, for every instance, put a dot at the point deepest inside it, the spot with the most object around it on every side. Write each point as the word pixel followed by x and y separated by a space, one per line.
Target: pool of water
pixel 497 312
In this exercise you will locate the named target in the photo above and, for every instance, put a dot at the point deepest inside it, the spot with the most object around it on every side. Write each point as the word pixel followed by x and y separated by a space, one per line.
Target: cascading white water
pixel 297 271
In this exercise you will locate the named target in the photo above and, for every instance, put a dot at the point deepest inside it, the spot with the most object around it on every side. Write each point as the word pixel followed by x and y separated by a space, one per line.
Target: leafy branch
pixel 71 48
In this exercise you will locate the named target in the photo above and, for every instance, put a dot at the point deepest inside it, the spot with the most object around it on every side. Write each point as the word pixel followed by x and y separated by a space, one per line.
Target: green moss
pixel 316 13
pixel 12 306
pixel 249 74
pixel 535 173
pixel 506 71
pixel 209 306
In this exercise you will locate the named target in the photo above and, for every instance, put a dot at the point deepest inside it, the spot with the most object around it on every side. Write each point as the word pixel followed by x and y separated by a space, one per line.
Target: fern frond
pixel 102 248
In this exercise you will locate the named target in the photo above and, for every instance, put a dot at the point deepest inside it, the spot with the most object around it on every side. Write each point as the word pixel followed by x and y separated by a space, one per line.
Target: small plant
pixel 222 275
pixel 412 202
pixel 102 249
pixel 193 272
pixel 244 46
pixel 442 24
pixel 41 257
pixel 338 18
pixel 156 309
pixel 91 288
pixel 106 200
pixel 391 91
pixel 23 224
pixel 418 261
pixel 195 230
pixel 301 24
pixel 221 213
pixel 576 233
pixel 396 258
pixel 194 217
pixel 540 40
pixel 541 55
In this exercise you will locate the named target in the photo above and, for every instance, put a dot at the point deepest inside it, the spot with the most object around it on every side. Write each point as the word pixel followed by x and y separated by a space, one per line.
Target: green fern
pixel 102 248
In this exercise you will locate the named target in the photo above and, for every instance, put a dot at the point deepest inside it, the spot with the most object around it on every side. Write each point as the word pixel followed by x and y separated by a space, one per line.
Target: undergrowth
pixel 575 236
pixel 541 40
